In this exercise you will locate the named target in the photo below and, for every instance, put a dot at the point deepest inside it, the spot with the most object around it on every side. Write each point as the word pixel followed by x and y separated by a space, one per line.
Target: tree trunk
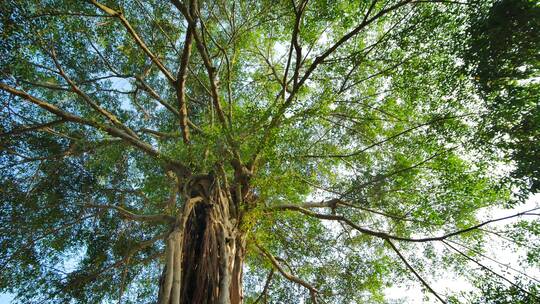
pixel 205 250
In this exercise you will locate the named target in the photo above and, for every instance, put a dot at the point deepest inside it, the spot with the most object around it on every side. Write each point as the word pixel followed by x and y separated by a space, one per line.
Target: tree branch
pixel 489 270
pixel 284 273
pixel 386 236
pixel 111 117
pixel 155 218
pixel 191 17
pixel 181 83
pixel 414 271
pixel 141 145
pixel 36 127
pixel 335 203
pixel 264 292
pixel 136 37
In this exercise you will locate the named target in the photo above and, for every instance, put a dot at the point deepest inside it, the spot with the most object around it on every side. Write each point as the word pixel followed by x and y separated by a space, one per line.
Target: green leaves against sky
pixel 423 120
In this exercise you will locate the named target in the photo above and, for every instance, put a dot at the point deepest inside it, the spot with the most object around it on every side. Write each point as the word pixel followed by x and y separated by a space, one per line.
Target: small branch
pixel 136 37
pixel 414 271
pixel 111 117
pixel 390 138
pixel 493 260
pixel 159 134
pixel 36 127
pixel 127 257
pixel 157 218
pixel 284 273
pixel 386 236
pixel 335 203
pixel 488 269
pixel 264 292
pixel 273 70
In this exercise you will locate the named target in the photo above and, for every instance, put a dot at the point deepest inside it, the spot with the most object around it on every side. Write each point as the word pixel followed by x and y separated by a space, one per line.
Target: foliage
pixel 495 292
pixel 407 119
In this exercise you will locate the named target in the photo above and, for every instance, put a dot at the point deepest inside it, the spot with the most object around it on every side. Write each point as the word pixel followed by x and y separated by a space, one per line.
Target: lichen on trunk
pixel 204 250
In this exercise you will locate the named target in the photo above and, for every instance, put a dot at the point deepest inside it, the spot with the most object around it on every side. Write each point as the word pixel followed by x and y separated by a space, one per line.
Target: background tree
pixel 506 67
pixel 258 151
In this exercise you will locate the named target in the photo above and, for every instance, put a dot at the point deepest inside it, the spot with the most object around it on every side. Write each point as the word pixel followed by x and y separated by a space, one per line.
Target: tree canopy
pixel 365 144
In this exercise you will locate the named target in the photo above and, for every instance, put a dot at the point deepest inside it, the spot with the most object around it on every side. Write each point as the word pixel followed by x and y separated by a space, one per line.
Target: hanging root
pixel 171 280
pixel 204 255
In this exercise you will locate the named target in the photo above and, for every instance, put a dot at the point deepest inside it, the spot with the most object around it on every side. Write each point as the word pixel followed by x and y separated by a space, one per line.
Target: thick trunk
pixel 205 251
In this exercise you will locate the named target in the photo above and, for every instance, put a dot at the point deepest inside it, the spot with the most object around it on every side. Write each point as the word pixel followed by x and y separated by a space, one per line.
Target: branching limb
pixel 111 117
pixel 388 139
pixel 29 243
pixel 274 71
pixel 493 260
pixel 277 119
pixel 127 257
pixel 141 145
pixel 191 17
pixel 367 21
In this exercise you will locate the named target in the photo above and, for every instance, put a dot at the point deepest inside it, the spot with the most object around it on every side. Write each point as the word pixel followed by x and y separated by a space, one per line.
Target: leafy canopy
pixel 409 120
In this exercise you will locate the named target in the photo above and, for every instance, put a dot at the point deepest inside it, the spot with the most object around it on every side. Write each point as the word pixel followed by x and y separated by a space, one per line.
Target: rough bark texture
pixel 205 249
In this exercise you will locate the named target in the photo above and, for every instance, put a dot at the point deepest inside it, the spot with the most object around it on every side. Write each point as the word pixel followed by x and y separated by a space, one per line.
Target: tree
pixel 244 151
pixel 506 65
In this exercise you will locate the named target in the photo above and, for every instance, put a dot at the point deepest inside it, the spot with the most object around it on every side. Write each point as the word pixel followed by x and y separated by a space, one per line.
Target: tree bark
pixel 205 249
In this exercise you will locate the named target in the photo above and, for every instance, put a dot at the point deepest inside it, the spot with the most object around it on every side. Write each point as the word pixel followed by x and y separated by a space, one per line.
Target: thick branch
pixel 191 18
pixel 181 83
